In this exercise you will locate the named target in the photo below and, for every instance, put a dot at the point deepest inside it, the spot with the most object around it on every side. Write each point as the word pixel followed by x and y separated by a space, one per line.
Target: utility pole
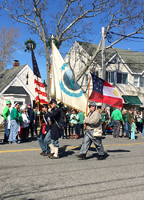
pixel 103 58
pixel 103 54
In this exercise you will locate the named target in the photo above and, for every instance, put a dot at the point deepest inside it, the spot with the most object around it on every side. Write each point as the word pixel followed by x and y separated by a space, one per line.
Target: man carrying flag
pixel 93 124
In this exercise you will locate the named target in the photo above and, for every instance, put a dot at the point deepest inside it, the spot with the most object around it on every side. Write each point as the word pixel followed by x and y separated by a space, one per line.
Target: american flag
pixel 41 95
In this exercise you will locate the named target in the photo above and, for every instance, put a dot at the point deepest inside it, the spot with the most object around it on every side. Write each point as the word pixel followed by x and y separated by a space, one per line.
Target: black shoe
pixel 81 156
pixel 101 157
pixel 43 152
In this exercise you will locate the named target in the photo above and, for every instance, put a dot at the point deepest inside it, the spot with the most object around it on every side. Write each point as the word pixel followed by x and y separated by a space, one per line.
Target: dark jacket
pixel 30 114
pixel 44 118
pixel 129 117
pixel 55 115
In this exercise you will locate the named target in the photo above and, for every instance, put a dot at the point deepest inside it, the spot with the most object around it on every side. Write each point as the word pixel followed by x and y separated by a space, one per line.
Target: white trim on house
pixel 33 98
pixel 18 79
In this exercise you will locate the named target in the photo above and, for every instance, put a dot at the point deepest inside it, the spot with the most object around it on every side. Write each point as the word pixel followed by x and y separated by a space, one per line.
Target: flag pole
pixel 88 97
pixel 52 37
pixel 38 103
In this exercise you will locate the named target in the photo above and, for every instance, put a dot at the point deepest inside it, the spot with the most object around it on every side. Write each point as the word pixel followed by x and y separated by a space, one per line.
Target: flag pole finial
pixel 52 37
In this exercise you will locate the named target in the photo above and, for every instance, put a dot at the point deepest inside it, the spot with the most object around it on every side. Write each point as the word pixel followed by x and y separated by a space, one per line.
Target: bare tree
pixel 72 19
pixel 8 45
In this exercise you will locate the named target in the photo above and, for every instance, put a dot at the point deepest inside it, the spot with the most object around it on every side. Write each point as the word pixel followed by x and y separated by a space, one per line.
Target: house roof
pixel 6 76
pixel 133 59
pixel 16 90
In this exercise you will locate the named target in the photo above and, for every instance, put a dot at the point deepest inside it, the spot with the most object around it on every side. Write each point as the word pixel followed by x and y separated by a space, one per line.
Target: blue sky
pixel 25 57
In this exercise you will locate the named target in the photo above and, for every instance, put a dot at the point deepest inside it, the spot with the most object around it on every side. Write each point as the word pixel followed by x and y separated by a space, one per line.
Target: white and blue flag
pixel 64 87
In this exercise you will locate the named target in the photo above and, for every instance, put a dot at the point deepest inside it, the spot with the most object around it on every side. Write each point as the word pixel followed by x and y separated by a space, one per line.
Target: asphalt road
pixel 26 175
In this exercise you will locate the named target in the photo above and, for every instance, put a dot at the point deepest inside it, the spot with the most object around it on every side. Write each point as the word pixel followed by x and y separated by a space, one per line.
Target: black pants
pixel 116 132
pixel 103 127
pixel 35 126
pixel 25 130
pixel 79 128
pixel 31 127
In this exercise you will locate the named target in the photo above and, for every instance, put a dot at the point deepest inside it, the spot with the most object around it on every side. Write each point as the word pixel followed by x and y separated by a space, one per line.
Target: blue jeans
pixel 7 131
pixel 13 131
pixel 143 131
pixel 126 128
pixel 47 140
pixel 43 145
pixel 129 131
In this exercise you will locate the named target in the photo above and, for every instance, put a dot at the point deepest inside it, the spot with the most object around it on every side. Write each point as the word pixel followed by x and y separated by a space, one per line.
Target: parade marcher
pixel 130 116
pixel 25 123
pixel 93 124
pixel 80 125
pixel 6 113
pixel 117 118
pixel 31 117
pixel 54 134
pixel 14 124
pixel 45 128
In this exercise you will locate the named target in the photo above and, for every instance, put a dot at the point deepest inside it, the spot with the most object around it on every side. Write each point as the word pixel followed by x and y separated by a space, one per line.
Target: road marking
pixel 70 147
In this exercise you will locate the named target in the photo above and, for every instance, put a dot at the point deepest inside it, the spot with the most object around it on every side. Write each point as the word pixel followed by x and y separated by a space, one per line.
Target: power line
pixel 126 35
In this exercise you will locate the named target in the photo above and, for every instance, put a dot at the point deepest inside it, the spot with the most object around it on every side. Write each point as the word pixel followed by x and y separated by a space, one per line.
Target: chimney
pixel 16 63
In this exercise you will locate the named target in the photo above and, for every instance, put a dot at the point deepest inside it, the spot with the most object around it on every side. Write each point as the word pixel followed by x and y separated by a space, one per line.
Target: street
pixel 25 174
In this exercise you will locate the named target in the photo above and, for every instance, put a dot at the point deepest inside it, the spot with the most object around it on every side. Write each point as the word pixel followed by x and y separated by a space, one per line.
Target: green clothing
pixel 133 127
pixel 103 117
pixel 75 120
pixel 6 113
pixel 80 117
pixel 117 115
pixel 20 117
pixel 130 116
pixel 125 117
pixel 14 114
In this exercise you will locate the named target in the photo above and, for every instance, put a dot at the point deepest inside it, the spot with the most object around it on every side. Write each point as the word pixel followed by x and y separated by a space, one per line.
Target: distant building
pixel 16 84
pixel 124 70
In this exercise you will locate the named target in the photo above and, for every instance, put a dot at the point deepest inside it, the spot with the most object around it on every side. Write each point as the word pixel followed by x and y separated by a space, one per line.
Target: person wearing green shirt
pixel 6 113
pixel 80 124
pixel 14 124
pixel 117 118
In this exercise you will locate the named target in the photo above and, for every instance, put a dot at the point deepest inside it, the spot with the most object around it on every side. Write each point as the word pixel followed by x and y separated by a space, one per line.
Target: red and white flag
pixel 105 92
pixel 41 95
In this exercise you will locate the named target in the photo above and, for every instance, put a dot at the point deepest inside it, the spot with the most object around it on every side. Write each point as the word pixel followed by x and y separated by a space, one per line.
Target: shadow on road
pixel 64 153
pixel 118 151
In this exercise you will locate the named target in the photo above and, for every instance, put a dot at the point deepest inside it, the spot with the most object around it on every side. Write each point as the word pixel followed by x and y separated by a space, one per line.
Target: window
pixel 110 77
pixel 122 78
pixel 96 73
pixel 136 81
pixel 86 79
pixel 141 81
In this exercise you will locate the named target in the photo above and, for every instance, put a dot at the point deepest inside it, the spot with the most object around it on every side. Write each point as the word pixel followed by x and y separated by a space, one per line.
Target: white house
pixel 16 84
pixel 124 70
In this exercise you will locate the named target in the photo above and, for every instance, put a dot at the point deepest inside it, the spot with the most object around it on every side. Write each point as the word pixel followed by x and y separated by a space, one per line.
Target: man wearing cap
pixel 54 115
pixel 45 128
pixel 14 124
pixel 93 123
pixel 6 113
pixel 31 117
